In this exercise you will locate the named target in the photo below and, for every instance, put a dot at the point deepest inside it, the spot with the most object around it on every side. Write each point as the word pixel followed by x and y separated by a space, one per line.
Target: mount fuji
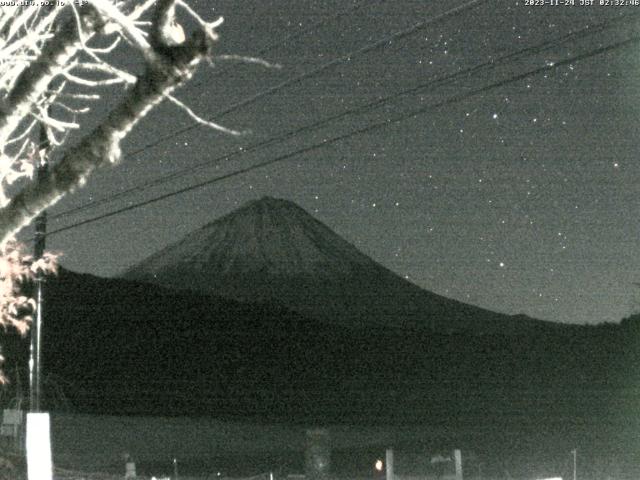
pixel 271 250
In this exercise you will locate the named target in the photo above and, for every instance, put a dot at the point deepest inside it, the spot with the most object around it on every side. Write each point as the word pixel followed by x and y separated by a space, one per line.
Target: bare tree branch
pixel 34 81
pixel 168 67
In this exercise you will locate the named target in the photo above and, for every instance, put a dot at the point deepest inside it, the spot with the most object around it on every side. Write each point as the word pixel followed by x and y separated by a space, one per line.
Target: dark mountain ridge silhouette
pixel 271 250
pixel 116 346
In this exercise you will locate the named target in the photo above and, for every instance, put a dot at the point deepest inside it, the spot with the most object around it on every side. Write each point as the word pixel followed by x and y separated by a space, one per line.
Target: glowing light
pixel 379 465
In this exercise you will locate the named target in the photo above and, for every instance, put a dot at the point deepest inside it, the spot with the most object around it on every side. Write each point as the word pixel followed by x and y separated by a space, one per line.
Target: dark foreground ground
pixel 92 447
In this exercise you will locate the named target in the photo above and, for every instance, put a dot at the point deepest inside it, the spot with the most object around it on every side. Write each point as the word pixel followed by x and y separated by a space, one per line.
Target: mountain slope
pixel 272 250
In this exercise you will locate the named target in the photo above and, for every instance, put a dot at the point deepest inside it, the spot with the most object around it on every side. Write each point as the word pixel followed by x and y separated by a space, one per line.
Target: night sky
pixel 523 198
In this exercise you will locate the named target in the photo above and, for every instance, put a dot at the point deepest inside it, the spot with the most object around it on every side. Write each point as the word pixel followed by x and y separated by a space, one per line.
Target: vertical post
pixel 575 454
pixel 458 459
pixel 175 469
pixel 317 462
pixel 129 467
pixel 388 461
pixel 35 382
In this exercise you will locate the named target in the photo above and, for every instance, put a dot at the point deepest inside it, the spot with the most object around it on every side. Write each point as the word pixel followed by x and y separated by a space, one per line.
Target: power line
pixel 286 83
pixel 366 129
pixel 356 132
pixel 493 63
pixel 311 73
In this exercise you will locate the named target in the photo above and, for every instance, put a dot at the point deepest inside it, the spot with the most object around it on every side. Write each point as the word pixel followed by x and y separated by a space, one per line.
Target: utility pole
pixel 38 434
pixel 35 363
